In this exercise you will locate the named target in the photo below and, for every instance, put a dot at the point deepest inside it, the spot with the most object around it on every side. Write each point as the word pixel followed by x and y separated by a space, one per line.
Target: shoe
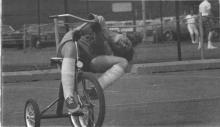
pixel 75 121
pixel 83 122
pixel 211 47
pixel 193 42
pixel 72 105
pixel 92 93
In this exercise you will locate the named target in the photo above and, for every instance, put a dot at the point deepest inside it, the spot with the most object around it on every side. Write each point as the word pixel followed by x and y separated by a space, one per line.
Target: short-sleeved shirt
pixel 205 8
pixel 90 45
pixel 190 19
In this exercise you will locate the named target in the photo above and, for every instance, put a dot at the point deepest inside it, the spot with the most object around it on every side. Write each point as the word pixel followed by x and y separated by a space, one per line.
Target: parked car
pixel 169 30
pixel 11 37
pixel 47 36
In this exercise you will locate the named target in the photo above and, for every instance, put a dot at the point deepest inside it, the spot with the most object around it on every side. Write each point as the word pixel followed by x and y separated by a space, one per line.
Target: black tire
pixel 94 112
pixel 169 36
pixel 31 114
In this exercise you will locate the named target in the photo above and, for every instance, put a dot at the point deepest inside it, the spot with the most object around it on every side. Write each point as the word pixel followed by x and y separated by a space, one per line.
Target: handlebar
pixel 72 16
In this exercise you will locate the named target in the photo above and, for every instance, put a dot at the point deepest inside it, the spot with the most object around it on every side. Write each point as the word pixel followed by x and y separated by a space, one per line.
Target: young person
pixel 191 21
pixel 100 49
pixel 205 10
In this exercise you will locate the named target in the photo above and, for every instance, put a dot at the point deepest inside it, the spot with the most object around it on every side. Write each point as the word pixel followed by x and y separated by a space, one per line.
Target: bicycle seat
pixel 56 60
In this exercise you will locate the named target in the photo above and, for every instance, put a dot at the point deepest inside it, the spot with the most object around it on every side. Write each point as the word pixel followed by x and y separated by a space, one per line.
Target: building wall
pixel 19 12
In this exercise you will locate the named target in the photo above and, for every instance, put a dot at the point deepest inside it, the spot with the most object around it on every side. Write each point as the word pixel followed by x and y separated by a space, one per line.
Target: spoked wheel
pixel 32 114
pixel 92 101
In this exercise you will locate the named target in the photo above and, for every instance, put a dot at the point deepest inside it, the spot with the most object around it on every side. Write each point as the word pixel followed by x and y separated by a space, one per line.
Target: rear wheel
pixel 169 36
pixel 92 108
pixel 32 114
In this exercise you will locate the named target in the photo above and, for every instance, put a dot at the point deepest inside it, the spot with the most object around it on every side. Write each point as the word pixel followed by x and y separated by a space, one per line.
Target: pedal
pixel 77 113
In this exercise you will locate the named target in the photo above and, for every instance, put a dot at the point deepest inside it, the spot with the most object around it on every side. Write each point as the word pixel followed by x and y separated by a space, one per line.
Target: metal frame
pixel 59 109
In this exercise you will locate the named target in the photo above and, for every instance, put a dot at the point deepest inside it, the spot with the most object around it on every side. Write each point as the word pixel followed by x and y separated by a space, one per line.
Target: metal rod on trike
pixel 56 33
pixel 50 105
pixel 56 29
pixel 73 16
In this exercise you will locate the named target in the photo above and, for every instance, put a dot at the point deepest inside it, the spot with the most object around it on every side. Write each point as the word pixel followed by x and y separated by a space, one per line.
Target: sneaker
pixel 83 122
pixel 193 42
pixel 92 93
pixel 211 47
pixel 75 121
pixel 72 105
pixel 199 47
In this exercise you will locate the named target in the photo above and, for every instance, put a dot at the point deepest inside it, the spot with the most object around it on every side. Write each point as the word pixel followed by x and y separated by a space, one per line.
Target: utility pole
pixel 144 20
pixel 66 11
pixel 134 16
pixel 161 18
pixel 178 30
pixel 39 31
pixel 87 7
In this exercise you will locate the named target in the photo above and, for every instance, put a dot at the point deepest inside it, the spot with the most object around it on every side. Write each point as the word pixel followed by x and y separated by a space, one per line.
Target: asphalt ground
pixel 177 99
pixel 39 59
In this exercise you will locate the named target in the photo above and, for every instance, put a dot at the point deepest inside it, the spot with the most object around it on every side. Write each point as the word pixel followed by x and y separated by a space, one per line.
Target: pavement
pixel 174 99
pixel 146 68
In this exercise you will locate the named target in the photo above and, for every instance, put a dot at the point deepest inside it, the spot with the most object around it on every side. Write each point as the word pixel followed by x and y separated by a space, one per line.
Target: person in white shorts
pixel 207 22
pixel 191 21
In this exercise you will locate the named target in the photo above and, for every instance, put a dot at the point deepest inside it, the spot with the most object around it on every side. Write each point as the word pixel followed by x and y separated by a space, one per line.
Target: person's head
pixel 191 11
pixel 122 46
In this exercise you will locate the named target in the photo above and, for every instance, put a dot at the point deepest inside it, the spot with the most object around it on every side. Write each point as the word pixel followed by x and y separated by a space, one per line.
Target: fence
pixel 160 46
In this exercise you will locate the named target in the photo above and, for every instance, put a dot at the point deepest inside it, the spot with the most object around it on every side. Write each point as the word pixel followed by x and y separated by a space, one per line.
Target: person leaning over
pixel 207 22
pixel 101 51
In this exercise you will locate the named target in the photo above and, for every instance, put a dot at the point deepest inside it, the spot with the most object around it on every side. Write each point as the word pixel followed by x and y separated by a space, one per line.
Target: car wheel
pixel 169 36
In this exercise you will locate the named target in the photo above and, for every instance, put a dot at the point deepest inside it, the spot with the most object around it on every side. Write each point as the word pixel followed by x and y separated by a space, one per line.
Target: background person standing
pixel 191 20
pixel 207 22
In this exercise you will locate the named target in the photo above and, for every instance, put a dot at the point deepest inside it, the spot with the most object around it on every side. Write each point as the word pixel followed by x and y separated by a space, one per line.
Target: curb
pixel 27 76
pixel 148 68
pixel 176 66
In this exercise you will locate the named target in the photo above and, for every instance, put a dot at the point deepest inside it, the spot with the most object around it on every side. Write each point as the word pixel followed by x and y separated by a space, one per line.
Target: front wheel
pixel 92 101
pixel 32 114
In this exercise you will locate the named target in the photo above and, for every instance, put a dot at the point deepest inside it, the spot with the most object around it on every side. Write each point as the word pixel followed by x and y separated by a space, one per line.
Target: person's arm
pixel 103 35
pixel 108 49
pixel 84 28
pixel 109 35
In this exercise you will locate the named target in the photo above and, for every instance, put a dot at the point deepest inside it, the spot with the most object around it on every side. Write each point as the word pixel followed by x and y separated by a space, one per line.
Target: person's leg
pixel 112 66
pixel 190 29
pixel 210 34
pixel 195 30
pixel 210 45
pixel 68 76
